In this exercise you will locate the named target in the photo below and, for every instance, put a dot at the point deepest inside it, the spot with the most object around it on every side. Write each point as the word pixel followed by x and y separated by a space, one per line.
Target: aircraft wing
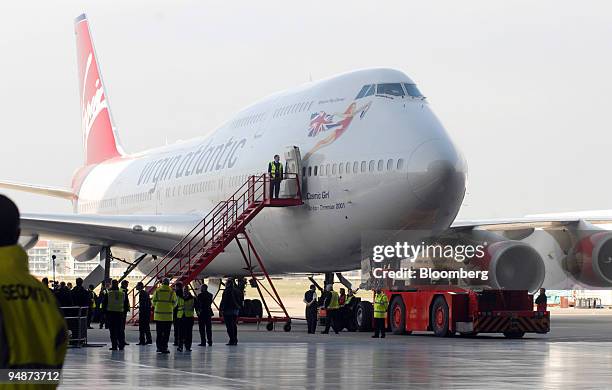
pixel 64 193
pixel 152 234
pixel 543 221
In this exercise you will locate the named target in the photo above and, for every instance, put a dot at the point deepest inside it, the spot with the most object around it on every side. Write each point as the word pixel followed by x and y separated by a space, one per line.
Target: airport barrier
pixel 76 320
pixel 589 303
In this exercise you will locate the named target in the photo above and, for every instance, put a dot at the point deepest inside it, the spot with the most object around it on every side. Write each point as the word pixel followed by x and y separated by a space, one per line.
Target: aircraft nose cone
pixel 436 172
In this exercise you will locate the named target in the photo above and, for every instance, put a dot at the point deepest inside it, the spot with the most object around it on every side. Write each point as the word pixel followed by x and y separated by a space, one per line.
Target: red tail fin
pixel 99 137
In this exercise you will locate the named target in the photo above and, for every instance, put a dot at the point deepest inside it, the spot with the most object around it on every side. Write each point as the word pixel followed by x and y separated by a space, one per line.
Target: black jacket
pixel 541 299
pixel 204 304
pixel 231 300
pixel 80 297
pixel 64 298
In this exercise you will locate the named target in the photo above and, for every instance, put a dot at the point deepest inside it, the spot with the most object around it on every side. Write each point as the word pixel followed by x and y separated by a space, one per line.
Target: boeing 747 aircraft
pixel 370 154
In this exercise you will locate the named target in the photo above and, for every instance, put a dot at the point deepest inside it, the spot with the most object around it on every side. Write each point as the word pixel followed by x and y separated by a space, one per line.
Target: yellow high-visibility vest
pixel 34 329
pixel 334 303
pixel 115 301
pixel 273 169
pixel 185 307
pixel 163 302
pixel 381 304
pixel 94 298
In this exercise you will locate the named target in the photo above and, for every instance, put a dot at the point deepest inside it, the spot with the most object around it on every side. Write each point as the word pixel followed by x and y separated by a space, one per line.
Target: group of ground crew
pixel 339 308
pixel 171 306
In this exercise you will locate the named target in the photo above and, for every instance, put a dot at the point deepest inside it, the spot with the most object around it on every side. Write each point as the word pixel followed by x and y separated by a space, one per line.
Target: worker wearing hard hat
pixel 381 304
pixel 33 332
pixel 332 305
pixel 163 303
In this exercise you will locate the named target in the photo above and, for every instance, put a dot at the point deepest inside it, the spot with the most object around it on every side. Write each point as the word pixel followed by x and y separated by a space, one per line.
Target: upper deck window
pixel 393 89
pixel 412 90
pixel 367 90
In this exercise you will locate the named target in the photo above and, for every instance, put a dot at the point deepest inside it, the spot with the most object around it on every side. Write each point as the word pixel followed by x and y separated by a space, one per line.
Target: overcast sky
pixel 523 87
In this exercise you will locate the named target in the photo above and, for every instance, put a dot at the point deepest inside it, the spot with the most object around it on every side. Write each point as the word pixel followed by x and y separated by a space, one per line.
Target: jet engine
pixel 589 261
pixel 512 265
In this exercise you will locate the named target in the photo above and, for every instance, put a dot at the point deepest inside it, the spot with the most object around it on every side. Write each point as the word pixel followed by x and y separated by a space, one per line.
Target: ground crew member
pixel 115 302
pixel 381 304
pixel 144 315
pixel 275 169
pixel 92 307
pixel 101 299
pixel 33 333
pixel 178 290
pixel 542 300
pixel 230 306
pixel 204 308
pixel 331 309
pixel 163 303
pixel 124 288
pixel 186 305
pixel 310 299
pixel 349 298
pixel 342 297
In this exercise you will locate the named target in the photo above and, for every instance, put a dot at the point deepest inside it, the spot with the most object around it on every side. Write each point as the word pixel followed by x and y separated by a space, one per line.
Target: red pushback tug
pixel 447 310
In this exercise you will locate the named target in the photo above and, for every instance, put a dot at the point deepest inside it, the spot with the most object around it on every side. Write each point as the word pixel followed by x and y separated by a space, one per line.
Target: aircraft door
pixel 293 165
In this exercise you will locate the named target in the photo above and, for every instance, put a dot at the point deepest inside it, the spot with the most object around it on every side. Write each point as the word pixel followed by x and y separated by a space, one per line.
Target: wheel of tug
pixel 397 316
pixel 257 308
pixel 439 317
pixel 515 334
pixel 364 313
pixel 287 327
pixel 269 326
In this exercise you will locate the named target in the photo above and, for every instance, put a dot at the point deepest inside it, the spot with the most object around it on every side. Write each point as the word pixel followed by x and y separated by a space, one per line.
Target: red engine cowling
pixel 590 260
pixel 512 265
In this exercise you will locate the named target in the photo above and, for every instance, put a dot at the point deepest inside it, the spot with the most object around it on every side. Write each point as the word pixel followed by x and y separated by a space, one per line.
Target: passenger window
pixel 400 164
pixel 355 167
pixel 327 172
pixel 341 168
pixel 363 166
pixel 303 171
pixel 393 89
pixel 334 169
pixel 389 164
pixel 371 166
pixel 412 90
pixel 315 172
pixel 381 164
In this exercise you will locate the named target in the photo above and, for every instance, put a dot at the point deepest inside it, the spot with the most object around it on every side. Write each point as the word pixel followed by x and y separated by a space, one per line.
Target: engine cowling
pixel 590 260
pixel 512 265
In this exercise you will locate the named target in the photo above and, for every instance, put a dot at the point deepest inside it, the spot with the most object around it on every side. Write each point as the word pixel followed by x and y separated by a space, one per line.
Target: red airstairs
pixel 224 224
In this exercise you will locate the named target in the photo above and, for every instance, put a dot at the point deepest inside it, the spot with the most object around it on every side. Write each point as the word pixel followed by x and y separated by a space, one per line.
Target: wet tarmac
pixel 576 354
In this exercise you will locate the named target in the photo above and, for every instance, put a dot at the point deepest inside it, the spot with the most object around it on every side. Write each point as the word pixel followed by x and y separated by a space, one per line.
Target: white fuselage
pixel 409 174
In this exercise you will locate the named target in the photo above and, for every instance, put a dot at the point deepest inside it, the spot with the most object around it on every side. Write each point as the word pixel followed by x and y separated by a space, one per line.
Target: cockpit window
pixel 412 90
pixel 393 89
pixel 367 90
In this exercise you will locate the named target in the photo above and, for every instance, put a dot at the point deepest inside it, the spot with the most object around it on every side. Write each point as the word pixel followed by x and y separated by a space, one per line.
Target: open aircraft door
pixel 293 164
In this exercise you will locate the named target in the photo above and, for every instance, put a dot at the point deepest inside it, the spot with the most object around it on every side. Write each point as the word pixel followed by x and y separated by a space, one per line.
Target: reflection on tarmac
pixel 354 360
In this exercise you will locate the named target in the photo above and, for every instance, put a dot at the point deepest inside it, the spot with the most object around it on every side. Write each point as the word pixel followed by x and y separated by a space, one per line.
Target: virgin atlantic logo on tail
pixel 96 104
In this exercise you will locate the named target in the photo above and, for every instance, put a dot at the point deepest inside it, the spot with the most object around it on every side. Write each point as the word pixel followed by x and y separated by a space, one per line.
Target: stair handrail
pixel 239 200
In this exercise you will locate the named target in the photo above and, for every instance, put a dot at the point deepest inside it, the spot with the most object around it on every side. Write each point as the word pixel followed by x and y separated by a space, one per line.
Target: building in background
pixel 66 267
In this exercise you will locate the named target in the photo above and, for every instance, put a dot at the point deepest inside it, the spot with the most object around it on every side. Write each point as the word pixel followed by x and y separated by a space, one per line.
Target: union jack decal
pixel 320 121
